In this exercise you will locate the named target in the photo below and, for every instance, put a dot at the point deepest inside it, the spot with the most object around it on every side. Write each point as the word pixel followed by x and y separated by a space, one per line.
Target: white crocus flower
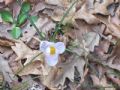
pixel 52 51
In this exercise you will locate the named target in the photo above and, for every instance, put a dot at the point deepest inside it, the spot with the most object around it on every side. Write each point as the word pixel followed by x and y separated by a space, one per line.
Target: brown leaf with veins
pixel 24 52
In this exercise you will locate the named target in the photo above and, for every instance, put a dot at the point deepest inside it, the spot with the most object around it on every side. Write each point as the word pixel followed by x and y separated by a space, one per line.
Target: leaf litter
pixel 90 30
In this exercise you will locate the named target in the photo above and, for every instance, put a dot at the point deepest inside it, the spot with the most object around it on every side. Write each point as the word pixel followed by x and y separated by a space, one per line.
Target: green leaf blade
pixel 16 32
pixel 6 16
pixel 21 19
pixel 25 7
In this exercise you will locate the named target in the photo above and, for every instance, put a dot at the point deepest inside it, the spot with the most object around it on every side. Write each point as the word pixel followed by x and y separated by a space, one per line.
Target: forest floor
pixel 60 44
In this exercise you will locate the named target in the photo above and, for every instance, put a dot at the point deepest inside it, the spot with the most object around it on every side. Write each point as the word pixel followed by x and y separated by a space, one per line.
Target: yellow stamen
pixel 52 50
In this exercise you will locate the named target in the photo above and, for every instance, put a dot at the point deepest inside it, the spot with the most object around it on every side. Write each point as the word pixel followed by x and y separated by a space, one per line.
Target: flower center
pixel 52 50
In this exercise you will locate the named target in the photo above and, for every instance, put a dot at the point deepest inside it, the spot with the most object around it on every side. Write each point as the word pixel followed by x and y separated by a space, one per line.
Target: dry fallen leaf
pixel 65 70
pixel 4 31
pixel 63 3
pixel 68 70
pixel 40 6
pixel 58 14
pixel 6 70
pixel 56 2
pixel 84 14
pixel 28 33
pixel 34 43
pixel 91 40
pixel 8 1
pixel 115 20
pixel 113 66
pixel 101 7
pixel 6 42
pixel 112 28
pixel 43 24
pixel 101 82
pixel 35 68
pixel 102 49
pixel 86 28
pixel 78 48
pixel 24 52
pixel 114 79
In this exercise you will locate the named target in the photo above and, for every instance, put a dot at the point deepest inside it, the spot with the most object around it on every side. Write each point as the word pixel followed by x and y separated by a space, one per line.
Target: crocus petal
pixel 44 45
pixel 51 60
pixel 60 46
